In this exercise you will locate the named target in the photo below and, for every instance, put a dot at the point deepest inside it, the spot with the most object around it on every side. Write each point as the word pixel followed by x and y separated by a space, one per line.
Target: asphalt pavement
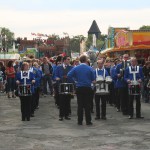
pixel 46 132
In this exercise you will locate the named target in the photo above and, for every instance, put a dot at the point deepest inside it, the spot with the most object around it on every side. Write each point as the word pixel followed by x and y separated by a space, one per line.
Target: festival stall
pixel 122 40
pixel 7 57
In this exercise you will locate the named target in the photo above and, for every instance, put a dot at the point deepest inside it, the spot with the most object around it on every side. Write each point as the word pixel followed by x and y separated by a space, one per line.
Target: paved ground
pixel 45 132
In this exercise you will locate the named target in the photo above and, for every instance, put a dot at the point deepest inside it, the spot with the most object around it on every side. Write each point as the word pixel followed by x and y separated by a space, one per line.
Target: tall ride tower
pixel 95 31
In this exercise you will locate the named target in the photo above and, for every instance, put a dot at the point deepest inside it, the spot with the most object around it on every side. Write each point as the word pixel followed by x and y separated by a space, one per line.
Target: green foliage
pixel 75 43
pixel 99 42
pixel 144 27
pixel 7 37
pixel 89 41
pixel 54 37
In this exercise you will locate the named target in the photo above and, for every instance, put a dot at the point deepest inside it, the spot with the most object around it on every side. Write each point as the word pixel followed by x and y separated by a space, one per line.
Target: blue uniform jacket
pixel 108 70
pixel 37 76
pixel 113 75
pixel 129 76
pixel 41 73
pixel 28 81
pixel 101 72
pixel 59 73
pixel 82 74
pixel 54 71
pixel 120 81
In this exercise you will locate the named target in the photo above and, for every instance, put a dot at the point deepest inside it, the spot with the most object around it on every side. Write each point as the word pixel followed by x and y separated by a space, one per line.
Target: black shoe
pixel 61 119
pixel 97 118
pixel 130 117
pixel 32 115
pixel 92 111
pixel 80 123
pixel 37 107
pixel 67 118
pixel 89 123
pixel 103 118
pixel 118 110
pixel 139 117
pixel 125 113
pixel 23 119
pixel 28 119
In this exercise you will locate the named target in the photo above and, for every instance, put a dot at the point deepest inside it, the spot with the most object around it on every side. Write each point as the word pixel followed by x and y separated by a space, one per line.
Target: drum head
pixel 108 79
pixel 100 78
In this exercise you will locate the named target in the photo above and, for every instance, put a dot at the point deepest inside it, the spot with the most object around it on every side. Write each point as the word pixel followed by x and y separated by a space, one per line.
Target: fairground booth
pixel 7 57
pixel 122 40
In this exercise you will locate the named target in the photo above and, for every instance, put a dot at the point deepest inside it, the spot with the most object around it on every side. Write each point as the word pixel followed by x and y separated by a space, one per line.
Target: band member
pixel 134 76
pixel 122 85
pixel 56 84
pixel 64 99
pixel 84 76
pixel 38 76
pixel 35 93
pixel 113 91
pixel 23 78
pixel 100 71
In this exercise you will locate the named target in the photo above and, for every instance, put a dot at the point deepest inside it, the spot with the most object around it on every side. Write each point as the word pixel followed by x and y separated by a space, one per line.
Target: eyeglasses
pixel 68 59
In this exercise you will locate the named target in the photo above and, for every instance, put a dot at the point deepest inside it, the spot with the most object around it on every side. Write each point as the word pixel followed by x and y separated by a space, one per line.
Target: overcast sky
pixel 72 16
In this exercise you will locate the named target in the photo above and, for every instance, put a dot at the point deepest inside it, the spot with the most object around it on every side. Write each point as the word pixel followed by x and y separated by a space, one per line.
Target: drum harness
pixel 104 73
pixel 134 72
pixel 25 76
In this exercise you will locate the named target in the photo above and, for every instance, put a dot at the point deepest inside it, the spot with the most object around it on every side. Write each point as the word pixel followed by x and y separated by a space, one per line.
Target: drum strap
pixel 134 72
pixel 25 77
pixel 103 73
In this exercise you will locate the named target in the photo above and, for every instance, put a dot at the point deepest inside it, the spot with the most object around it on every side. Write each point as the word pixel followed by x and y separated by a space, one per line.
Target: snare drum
pixel 108 79
pixel 134 89
pixel 102 89
pixel 66 88
pixel 24 90
pixel 99 79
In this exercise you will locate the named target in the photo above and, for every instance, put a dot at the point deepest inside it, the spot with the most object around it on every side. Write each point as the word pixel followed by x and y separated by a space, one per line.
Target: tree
pixel 7 38
pixel 99 42
pixel 144 27
pixel 75 43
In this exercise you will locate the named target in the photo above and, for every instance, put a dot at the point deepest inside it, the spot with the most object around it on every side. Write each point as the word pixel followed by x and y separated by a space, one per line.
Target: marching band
pixel 119 85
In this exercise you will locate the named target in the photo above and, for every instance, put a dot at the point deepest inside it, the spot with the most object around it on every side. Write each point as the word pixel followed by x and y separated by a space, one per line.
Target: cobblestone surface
pixel 46 132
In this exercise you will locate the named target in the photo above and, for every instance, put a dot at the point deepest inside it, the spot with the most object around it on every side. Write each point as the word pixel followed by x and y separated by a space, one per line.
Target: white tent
pixel 9 56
